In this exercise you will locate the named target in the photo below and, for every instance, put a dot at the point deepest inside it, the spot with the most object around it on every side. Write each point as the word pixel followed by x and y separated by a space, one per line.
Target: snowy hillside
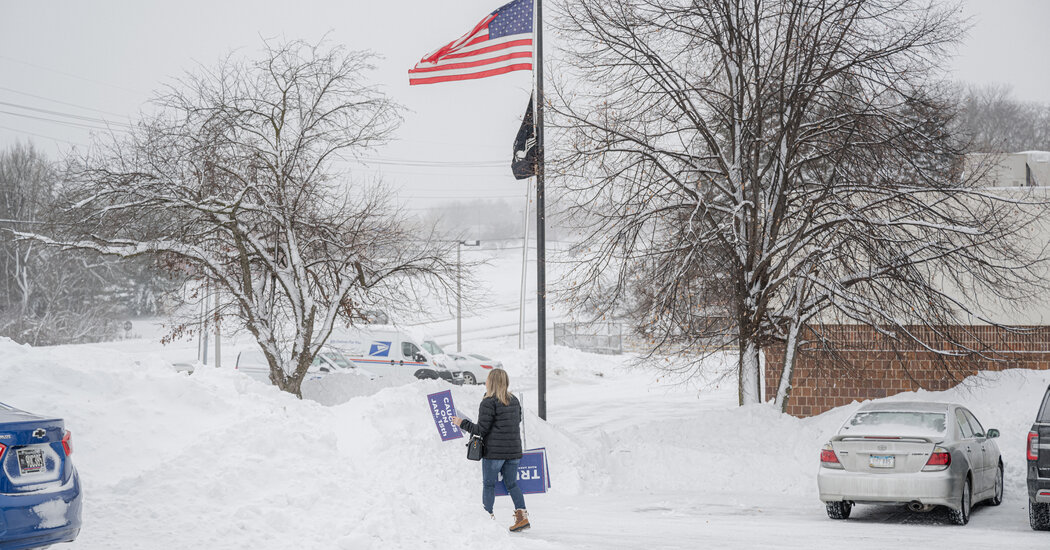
pixel 216 460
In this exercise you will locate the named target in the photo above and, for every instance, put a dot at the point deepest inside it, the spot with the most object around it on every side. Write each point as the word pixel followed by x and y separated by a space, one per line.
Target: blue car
pixel 40 496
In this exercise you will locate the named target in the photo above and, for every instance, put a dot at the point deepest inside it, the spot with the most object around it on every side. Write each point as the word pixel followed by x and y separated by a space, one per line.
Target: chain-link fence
pixel 592 337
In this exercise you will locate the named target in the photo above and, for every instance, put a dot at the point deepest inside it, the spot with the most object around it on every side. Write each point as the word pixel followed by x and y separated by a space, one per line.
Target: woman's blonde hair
pixel 496 385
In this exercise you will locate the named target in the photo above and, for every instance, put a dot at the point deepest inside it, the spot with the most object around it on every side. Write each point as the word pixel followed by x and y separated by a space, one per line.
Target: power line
pixel 460 197
pixel 95 123
pixel 436 163
pixel 67 115
pixel 70 75
pixel 63 122
pixel 380 170
pixel 14 91
pixel 419 163
pixel 42 136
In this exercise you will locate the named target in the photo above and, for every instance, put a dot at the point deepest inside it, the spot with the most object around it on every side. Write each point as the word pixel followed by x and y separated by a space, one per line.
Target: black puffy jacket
pixel 498 425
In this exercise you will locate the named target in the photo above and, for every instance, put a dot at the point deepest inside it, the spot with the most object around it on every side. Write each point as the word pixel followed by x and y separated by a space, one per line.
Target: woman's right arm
pixel 486 415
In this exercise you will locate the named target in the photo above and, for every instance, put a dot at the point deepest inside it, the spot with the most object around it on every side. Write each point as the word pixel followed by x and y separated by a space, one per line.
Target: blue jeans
pixel 509 468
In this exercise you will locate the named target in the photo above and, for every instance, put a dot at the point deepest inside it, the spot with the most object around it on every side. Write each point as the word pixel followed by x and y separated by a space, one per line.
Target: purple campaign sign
pixel 443 409
pixel 533 476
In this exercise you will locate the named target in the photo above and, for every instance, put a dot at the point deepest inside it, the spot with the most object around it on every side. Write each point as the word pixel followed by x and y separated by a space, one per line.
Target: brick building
pixel 858 363
pixel 863 364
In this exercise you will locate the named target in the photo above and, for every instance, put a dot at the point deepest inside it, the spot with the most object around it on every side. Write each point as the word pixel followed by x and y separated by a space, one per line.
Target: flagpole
pixel 541 288
pixel 524 264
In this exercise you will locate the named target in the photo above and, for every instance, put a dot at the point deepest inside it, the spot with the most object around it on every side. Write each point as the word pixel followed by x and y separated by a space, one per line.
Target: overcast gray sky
pixel 103 59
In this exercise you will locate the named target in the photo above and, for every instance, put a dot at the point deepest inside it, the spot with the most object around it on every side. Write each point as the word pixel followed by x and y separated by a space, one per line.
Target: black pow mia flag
pixel 524 163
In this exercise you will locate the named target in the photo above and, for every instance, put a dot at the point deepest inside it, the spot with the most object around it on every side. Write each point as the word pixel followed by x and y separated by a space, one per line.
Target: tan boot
pixel 521 521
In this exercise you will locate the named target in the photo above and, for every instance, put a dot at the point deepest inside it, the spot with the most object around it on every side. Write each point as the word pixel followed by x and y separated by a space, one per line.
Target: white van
pixel 384 350
pixel 252 362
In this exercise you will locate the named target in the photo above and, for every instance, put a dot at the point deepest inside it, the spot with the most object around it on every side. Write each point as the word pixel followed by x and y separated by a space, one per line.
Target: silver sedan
pixel 917 453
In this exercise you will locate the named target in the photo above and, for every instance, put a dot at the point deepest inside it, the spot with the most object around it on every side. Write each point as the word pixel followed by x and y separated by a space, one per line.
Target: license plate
pixel 882 461
pixel 30 461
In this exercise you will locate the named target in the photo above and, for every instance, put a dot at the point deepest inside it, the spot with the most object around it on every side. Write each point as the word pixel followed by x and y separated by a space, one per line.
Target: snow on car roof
pixel 911 406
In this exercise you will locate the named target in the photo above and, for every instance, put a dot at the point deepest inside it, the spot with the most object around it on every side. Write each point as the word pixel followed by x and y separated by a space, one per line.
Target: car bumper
pixel 933 488
pixel 460 376
pixel 1038 487
pixel 31 520
pixel 431 374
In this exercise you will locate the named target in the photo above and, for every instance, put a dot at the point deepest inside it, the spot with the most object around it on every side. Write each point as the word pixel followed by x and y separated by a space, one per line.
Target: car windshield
pixel 896 423
pixel 480 357
pixel 432 347
pixel 252 358
pixel 1044 411
pixel 338 359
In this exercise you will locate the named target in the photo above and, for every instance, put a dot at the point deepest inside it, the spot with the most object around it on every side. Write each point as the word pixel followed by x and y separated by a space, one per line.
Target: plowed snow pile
pixel 216 460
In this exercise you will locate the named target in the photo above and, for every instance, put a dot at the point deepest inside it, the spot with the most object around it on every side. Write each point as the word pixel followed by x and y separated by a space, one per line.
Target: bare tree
pixel 236 182
pixel 47 297
pixel 1000 123
pixel 772 159
pixel 27 187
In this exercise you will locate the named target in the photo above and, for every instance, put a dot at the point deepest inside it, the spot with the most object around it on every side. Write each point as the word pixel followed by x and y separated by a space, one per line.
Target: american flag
pixel 500 43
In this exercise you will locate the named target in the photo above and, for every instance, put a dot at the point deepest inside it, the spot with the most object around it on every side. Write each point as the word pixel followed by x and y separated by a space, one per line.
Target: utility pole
pixel 218 333
pixel 204 325
pixel 459 293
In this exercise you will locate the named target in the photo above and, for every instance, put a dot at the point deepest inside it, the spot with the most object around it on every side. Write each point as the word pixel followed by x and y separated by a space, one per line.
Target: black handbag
pixel 475 447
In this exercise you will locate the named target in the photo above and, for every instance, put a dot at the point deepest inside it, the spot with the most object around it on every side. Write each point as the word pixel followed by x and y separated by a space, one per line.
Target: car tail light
pixel 939 460
pixel 67 442
pixel 3 449
pixel 1033 445
pixel 486 366
pixel 828 458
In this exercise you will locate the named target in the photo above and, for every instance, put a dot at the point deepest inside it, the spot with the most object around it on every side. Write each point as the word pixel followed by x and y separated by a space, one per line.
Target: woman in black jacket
pixel 498 421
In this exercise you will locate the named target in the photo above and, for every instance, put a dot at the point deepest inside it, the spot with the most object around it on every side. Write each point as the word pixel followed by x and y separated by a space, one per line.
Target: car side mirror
pixel 325 369
pixel 992 433
pixel 420 358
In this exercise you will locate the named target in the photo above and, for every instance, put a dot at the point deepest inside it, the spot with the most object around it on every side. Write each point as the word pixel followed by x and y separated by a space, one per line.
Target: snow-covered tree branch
pixel 746 167
pixel 236 180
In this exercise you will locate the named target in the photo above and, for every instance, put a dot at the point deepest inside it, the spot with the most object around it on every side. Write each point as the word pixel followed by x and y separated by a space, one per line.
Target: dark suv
pixel 1039 468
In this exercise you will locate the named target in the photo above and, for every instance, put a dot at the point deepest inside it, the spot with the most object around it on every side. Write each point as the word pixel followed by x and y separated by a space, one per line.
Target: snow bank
pixel 756 449
pixel 217 460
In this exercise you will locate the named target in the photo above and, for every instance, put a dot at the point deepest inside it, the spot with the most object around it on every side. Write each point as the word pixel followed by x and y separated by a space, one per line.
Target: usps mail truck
pixel 389 350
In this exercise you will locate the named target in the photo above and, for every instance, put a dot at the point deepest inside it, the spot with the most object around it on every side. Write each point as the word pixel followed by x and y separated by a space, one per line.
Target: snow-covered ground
pixel 216 460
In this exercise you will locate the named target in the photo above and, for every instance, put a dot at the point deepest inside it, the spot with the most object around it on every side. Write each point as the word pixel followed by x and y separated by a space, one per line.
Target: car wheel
pixel 997 498
pixel 962 515
pixel 468 378
pixel 1039 515
pixel 839 510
